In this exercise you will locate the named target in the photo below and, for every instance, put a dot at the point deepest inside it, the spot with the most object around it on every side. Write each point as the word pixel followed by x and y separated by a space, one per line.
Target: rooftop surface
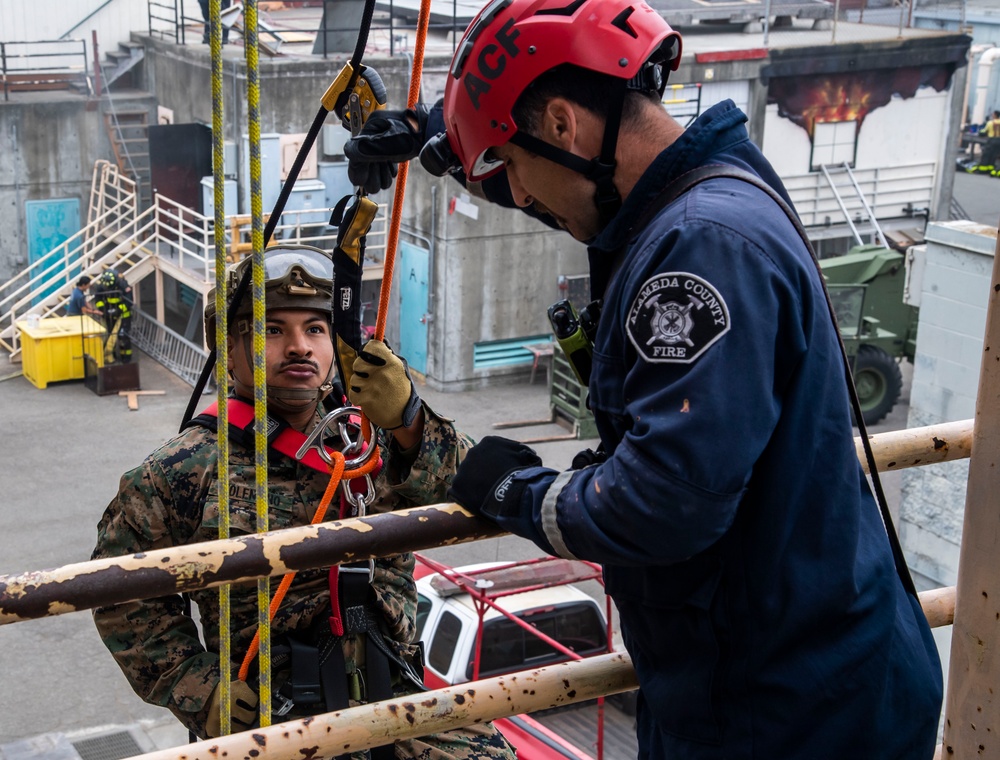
pixel 801 24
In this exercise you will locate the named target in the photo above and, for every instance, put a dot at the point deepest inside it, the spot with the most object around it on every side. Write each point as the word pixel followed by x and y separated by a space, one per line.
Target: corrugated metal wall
pixel 31 20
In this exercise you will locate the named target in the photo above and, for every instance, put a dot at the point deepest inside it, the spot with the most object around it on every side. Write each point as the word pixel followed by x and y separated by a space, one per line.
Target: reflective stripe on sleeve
pixel 550 526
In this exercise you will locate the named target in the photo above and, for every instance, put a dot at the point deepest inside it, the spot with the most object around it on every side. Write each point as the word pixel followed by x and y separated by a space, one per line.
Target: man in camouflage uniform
pixel 172 498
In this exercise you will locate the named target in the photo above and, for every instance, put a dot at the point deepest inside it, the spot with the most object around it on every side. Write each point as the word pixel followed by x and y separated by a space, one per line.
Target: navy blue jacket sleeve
pixel 691 431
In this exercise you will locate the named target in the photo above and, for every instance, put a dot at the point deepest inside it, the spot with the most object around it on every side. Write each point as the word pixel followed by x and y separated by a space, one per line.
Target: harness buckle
pixel 369 569
pixel 284 707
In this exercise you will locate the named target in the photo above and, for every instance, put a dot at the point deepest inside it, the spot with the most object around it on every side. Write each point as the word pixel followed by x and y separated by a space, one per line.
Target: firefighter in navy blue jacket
pixel 758 595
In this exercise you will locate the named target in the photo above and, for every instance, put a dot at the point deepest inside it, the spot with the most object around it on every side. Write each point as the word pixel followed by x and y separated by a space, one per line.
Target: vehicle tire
pixel 879 382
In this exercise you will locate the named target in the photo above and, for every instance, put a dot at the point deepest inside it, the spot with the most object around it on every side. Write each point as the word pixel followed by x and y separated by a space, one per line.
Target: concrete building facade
pixel 881 115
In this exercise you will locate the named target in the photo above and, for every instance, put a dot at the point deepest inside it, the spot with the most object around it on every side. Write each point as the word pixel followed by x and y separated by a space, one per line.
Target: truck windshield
pixel 507 647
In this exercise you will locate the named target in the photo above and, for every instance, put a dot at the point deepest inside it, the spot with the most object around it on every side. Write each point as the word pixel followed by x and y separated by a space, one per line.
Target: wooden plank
pixel 133 397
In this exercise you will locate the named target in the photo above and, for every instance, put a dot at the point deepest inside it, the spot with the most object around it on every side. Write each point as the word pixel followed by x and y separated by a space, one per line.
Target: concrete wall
pixel 31 20
pixel 49 143
pixel 953 298
pixel 290 88
pixel 48 150
pixel 493 276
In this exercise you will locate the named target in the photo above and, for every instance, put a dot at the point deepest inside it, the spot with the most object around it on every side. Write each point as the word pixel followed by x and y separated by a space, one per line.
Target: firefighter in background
pixel 113 298
pixel 991 150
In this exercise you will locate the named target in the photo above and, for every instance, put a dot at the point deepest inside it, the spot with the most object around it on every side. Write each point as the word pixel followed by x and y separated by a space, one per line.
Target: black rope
pixel 279 205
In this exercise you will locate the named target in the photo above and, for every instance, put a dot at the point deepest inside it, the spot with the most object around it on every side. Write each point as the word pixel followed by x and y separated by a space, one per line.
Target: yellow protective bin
pixel 53 349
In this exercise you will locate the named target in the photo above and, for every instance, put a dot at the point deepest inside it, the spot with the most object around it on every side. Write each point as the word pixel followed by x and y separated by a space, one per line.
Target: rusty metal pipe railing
pixel 939 606
pixel 366 726
pixel 85 585
pixel 102 582
pixel 359 728
pixel 915 447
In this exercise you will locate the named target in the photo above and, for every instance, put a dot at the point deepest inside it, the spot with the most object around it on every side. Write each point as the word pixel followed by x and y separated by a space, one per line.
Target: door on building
pixel 413 282
pixel 50 223
pixel 179 156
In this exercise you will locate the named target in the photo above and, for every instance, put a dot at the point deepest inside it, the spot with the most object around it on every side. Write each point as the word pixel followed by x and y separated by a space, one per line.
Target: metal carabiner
pixel 359 501
pixel 342 417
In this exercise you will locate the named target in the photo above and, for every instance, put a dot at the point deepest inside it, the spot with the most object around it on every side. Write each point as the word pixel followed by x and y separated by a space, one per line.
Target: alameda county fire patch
pixel 675 317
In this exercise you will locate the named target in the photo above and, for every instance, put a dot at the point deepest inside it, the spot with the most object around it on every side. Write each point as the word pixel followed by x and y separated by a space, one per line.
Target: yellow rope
pixel 221 375
pixel 259 369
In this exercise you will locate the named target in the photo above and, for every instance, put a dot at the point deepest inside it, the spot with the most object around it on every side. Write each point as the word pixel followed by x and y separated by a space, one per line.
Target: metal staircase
pixel 123 60
pixel 116 236
pixel 128 131
pixel 167 239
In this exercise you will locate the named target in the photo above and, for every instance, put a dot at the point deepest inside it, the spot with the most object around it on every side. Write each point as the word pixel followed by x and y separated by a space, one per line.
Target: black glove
pixel 588 457
pixel 386 139
pixel 484 481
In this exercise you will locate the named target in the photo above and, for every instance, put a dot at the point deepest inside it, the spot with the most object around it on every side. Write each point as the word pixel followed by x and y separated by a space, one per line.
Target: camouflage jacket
pixel 172 499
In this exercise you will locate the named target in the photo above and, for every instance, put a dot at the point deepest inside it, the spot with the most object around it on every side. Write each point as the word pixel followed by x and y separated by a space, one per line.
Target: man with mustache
pixel 324 656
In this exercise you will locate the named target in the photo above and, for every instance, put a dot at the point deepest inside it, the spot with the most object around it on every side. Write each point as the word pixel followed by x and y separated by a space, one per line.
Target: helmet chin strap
pixel 600 170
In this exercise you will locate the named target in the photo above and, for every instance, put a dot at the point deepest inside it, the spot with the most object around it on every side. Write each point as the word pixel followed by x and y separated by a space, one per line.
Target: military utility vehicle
pixel 878 328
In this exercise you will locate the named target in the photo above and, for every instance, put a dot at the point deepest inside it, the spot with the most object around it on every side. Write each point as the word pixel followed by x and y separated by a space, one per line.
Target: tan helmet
pixel 296 277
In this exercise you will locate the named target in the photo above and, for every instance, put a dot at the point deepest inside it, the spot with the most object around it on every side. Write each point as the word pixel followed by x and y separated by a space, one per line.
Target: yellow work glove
pixel 382 387
pixel 243 710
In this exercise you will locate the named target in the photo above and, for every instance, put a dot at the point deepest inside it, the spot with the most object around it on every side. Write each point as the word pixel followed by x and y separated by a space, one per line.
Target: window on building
pixel 834 143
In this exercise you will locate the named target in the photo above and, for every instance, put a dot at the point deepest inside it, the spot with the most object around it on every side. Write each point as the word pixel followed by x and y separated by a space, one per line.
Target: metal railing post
pixel 3 68
pixel 972 720
pixel 97 63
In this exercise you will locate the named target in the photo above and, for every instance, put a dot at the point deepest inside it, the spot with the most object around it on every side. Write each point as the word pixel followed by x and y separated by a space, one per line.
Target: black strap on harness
pixel 684 183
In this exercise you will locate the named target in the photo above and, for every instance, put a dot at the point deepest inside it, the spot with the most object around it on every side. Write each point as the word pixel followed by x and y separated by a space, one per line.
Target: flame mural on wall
pixel 850 96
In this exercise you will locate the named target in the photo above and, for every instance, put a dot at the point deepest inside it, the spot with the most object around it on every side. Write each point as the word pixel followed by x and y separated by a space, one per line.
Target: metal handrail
pixel 8 67
pixel 175 25
pixel 889 189
pixel 167 230
pixel 114 580
pixel 38 274
pixel 175 352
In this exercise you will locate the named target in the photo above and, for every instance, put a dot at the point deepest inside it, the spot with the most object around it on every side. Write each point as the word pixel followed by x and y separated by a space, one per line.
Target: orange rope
pixel 400 191
pixel 337 474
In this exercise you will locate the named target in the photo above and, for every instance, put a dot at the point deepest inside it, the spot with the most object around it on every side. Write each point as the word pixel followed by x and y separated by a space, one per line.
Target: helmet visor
pixel 318 266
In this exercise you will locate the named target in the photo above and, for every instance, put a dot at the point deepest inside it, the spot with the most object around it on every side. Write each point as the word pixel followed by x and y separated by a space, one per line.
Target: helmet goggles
pixel 291 270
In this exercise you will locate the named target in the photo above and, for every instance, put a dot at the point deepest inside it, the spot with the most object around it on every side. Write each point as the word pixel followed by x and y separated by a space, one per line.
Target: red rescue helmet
pixel 513 42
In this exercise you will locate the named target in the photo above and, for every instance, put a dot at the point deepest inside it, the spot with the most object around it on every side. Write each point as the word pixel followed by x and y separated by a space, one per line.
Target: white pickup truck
pixel 539 592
